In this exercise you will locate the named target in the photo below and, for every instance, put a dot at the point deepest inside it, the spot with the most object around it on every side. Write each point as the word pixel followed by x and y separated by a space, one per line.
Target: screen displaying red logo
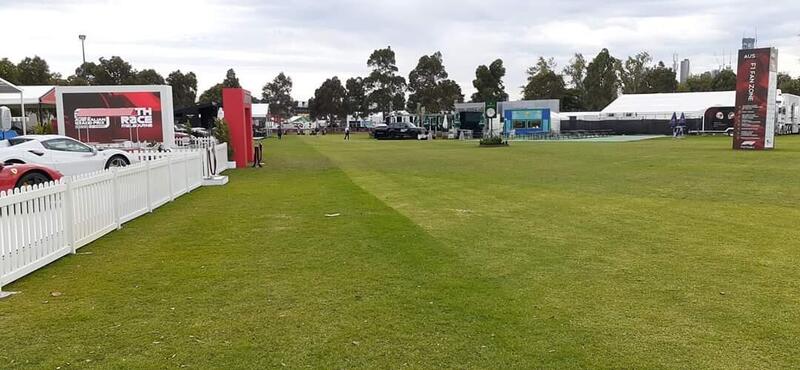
pixel 113 117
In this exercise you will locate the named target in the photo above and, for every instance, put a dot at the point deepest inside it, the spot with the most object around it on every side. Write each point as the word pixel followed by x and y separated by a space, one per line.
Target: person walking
pixel 347 132
pixel 682 126
pixel 280 132
pixel 673 124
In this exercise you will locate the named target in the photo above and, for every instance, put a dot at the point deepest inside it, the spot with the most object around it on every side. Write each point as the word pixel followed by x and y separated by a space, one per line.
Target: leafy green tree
pixel 659 79
pixel 783 78
pixel 356 98
pixel 543 81
pixel 212 95
pixel 85 74
pixel 602 82
pixel 575 73
pixel 633 72
pixel 76 80
pixel 329 100
pixel 8 71
pixel 423 82
pixel 789 85
pixel 572 100
pixel 698 83
pixel 489 83
pixel 148 77
pixel 385 89
pixel 725 80
pixel 114 71
pixel 449 94
pixel 34 71
pixel 230 79
pixel 430 87
pixel 184 88
pixel 278 94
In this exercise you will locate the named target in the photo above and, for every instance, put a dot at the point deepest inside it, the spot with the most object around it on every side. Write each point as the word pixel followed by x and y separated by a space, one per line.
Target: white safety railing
pixel 204 142
pixel 40 224
pixel 215 159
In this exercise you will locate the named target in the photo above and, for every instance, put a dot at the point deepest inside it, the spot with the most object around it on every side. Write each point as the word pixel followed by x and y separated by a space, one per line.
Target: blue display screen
pixel 527 121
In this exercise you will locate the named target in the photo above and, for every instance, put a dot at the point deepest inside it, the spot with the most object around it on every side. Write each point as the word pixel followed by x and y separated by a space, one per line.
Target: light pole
pixel 83 50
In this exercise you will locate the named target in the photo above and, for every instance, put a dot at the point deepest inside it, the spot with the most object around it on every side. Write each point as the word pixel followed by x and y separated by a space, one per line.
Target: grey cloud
pixel 312 39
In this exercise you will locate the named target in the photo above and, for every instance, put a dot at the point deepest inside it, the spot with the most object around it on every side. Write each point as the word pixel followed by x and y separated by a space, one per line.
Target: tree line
pixel 106 71
pixel 581 85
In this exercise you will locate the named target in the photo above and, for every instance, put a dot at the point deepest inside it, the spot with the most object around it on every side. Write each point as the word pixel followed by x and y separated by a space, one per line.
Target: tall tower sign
pixel 756 94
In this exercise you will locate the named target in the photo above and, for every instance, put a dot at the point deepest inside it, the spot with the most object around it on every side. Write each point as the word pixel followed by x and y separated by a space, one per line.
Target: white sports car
pixel 65 154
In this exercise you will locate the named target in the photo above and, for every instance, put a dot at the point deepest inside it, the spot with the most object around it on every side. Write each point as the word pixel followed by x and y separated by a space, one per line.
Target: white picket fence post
pixel 186 170
pixel 115 199
pixel 171 182
pixel 147 195
pixel 69 215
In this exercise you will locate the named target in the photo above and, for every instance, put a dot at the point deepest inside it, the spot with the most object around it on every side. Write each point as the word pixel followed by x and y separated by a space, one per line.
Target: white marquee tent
pixel 694 104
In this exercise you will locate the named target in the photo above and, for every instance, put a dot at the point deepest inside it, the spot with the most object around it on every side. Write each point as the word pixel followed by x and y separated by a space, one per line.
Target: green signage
pixel 490 109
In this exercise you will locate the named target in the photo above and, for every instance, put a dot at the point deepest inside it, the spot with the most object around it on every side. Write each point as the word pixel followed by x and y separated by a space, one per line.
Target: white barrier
pixel 40 224
pixel 219 152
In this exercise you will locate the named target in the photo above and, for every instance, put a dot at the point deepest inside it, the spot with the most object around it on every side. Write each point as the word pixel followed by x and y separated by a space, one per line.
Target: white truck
pixel 788 117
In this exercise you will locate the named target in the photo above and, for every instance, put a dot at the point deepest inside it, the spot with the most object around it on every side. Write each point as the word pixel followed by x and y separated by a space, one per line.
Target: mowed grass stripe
pixel 641 259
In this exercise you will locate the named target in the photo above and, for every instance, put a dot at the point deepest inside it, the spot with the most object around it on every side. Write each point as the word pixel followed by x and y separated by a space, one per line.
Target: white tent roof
pixel 31 94
pixel 260 110
pixel 8 87
pixel 299 118
pixel 668 103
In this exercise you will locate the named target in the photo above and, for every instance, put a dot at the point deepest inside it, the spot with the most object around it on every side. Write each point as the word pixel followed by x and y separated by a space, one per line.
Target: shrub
pixel 42 128
pixel 493 140
pixel 223 134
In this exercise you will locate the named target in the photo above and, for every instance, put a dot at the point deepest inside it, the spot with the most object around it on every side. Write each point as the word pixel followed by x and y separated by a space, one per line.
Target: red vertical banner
pixel 756 94
pixel 237 105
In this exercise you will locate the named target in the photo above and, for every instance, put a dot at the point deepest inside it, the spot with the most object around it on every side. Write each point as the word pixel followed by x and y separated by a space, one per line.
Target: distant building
pixel 523 117
pixel 748 43
pixel 260 112
pixel 685 71
pixel 301 108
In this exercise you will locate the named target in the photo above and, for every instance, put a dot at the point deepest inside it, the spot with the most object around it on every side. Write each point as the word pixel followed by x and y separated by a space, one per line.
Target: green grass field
pixel 653 254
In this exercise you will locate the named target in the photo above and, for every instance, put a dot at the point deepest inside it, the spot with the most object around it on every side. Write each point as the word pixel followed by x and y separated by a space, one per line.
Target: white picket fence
pixel 41 224
pixel 213 163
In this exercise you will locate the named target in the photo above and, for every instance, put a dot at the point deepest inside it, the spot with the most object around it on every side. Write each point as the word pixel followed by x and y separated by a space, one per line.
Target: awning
pixel 9 88
pixel 49 98
pixel 32 95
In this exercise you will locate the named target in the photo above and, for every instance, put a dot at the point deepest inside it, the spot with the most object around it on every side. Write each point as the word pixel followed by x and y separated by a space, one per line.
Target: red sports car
pixel 19 175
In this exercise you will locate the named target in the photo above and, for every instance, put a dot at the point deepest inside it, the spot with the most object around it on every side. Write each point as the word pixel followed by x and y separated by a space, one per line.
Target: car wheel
pixel 33 178
pixel 117 161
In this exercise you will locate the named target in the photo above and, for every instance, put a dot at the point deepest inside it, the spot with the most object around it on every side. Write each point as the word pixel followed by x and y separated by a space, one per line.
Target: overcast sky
pixel 312 40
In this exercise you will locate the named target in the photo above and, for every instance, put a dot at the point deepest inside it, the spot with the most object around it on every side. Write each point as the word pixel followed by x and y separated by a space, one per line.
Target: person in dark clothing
pixel 347 133
pixel 280 133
